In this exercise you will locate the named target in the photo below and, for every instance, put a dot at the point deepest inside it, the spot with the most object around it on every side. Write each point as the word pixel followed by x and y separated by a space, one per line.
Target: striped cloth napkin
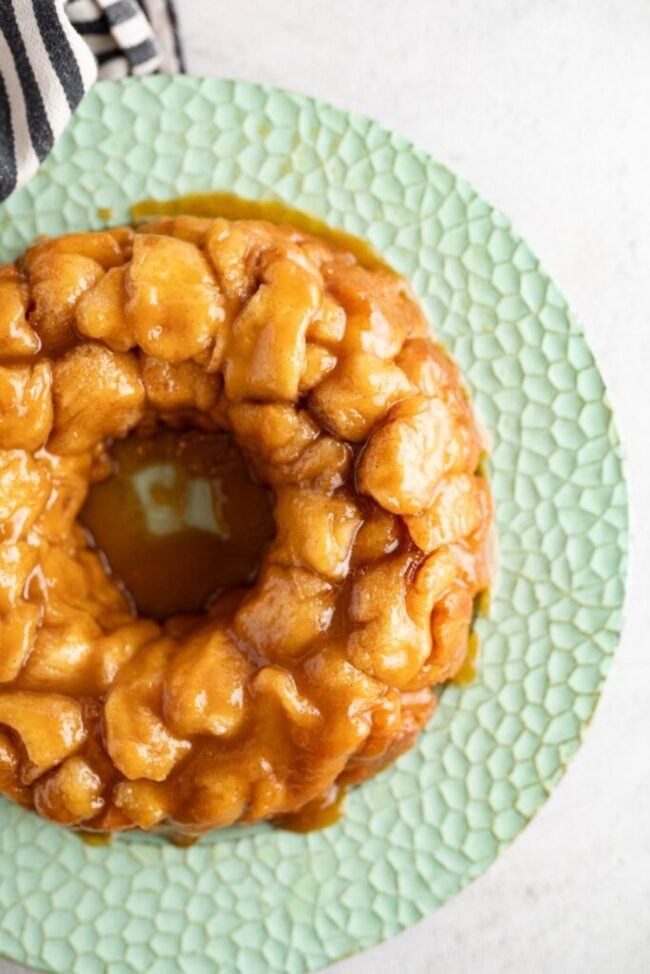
pixel 52 52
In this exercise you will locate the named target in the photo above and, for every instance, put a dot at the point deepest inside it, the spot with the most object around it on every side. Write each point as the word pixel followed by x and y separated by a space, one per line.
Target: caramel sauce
pixel 178 520
pixel 483 602
pixel 95 838
pixel 183 841
pixel 469 670
pixel 232 207
pixel 317 814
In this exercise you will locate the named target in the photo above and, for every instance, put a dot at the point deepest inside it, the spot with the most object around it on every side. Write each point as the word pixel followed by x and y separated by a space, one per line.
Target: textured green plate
pixel 269 901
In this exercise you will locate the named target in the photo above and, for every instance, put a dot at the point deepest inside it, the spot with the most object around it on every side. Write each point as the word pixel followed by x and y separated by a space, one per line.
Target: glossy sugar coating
pixel 411 838
pixel 321 671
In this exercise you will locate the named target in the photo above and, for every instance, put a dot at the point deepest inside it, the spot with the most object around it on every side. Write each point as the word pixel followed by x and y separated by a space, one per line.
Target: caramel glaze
pixel 232 207
pixel 179 520
pixel 323 811
pixel 468 671
pixel 95 838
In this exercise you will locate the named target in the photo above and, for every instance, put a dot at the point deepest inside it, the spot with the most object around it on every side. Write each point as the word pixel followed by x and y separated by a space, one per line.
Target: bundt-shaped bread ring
pixel 323 670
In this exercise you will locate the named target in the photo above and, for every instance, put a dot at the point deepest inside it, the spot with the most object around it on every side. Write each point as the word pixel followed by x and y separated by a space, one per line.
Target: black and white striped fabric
pixel 52 52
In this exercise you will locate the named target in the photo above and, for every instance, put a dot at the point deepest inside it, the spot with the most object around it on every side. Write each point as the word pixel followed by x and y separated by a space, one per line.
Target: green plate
pixel 268 901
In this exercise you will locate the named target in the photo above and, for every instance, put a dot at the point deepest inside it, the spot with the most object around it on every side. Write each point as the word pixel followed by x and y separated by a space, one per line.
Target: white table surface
pixel 545 107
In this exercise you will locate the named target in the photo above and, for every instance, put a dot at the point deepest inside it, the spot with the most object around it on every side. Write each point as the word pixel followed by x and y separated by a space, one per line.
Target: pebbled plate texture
pixel 269 901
